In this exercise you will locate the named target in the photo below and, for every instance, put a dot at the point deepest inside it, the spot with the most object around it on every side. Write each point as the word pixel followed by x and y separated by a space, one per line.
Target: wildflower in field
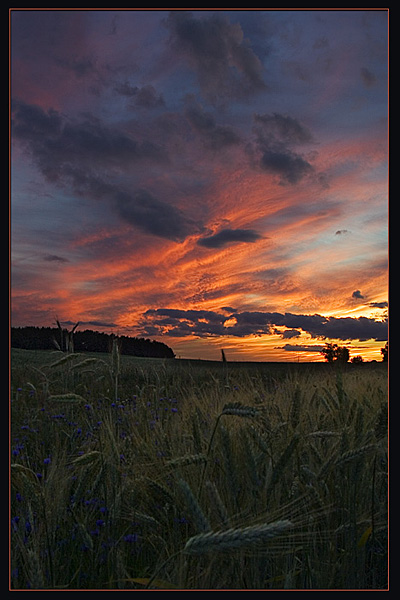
pixel 47 460
pixel 130 538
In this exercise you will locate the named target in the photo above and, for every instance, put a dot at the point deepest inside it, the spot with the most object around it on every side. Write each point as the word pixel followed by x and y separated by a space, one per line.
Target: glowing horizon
pixel 209 179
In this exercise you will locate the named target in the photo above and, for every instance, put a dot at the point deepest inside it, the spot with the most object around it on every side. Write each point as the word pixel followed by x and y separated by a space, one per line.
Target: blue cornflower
pixel 47 460
pixel 94 532
pixel 130 538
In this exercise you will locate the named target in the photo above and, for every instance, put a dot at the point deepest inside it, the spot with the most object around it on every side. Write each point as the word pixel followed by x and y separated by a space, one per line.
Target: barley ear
pixel 232 539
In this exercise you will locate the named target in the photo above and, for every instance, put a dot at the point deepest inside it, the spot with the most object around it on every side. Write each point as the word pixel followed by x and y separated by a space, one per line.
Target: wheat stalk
pixel 353 454
pixel 69 398
pixel 199 518
pixel 217 502
pixel 283 460
pixel 232 408
pixel 222 541
pixel 188 459
pixel 323 434
pixel 239 409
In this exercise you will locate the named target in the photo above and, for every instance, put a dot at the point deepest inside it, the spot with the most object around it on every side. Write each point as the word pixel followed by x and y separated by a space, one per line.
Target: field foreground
pixel 131 473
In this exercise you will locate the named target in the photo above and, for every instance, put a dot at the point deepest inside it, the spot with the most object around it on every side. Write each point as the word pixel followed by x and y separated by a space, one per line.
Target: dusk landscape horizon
pixel 210 179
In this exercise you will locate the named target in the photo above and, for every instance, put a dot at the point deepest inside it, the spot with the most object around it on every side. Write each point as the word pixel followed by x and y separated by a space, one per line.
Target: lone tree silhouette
pixel 335 353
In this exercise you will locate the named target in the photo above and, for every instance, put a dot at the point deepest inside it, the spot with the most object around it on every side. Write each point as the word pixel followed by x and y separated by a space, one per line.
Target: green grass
pixel 196 475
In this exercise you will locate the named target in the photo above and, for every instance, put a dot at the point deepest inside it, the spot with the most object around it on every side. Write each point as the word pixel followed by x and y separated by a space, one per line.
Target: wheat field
pixel 142 474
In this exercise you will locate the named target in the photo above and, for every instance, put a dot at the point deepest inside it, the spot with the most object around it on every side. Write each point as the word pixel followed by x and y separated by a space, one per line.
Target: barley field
pixel 142 474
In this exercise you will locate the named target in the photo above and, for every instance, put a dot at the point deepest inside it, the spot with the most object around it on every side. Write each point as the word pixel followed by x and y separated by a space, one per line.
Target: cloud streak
pixel 177 322
pixel 226 237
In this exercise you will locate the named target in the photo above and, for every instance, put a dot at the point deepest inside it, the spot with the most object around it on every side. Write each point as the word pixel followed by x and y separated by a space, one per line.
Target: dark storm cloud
pixel 180 323
pixel 290 333
pixel 276 135
pixel 175 322
pixel 229 236
pixel 81 156
pixel 289 166
pixel 300 348
pixel 144 97
pixel 357 294
pixel 378 304
pixel 281 129
pixel 55 258
pixel 153 215
pixel 190 315
pixel 81 67
pixel 56 144
pixel 225 64
pixel 214 136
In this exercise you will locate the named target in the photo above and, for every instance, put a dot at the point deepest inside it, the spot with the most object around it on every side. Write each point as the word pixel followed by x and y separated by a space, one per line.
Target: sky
pixel 211 179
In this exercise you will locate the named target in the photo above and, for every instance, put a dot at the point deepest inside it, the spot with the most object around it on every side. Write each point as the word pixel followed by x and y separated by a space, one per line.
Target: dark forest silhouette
pixel 48 338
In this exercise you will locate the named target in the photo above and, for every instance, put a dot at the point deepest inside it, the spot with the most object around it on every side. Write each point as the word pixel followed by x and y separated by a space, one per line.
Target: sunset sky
pixel 210 179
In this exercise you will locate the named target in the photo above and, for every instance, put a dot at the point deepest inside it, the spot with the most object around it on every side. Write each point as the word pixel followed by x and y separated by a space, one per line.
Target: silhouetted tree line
pixel 48 338
pixel 341 354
